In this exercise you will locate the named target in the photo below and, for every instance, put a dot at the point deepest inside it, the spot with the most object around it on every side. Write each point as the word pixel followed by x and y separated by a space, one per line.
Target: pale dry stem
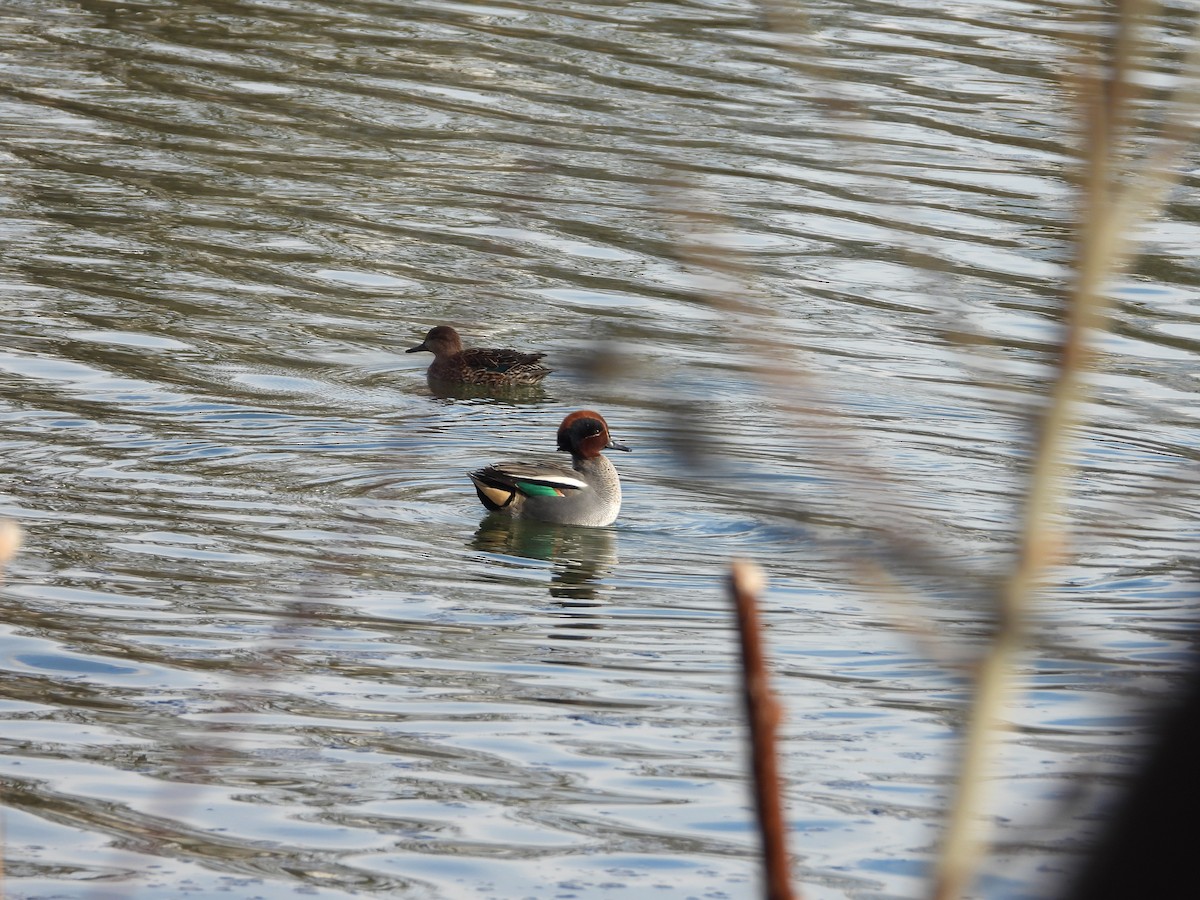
pixel 10 543
pixel 1109 211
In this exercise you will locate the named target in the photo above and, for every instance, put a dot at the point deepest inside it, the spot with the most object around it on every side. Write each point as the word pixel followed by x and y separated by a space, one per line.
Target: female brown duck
pixel 478 365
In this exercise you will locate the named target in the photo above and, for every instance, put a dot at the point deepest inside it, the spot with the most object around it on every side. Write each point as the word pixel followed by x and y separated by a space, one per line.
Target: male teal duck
pixel 588 493
pixel 478 365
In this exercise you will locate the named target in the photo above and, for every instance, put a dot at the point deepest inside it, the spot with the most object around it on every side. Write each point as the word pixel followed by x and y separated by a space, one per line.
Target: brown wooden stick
pixel 763 714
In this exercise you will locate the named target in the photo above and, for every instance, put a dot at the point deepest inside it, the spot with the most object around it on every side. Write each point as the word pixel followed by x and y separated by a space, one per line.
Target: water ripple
pixel 263 637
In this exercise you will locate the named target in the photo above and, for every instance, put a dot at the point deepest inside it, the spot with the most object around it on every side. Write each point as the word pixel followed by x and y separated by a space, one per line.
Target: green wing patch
pixel 529 489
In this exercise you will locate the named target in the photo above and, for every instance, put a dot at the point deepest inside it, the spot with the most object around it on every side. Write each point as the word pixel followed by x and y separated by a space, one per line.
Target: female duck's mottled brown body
pixel 478 365
pixel 588 493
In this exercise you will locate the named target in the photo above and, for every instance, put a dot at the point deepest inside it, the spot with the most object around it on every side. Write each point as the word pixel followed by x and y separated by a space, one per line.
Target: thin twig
pixel 763 714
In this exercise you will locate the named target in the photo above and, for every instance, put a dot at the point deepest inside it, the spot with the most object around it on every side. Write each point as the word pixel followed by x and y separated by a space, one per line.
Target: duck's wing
pixel 505 362
pixel 500 484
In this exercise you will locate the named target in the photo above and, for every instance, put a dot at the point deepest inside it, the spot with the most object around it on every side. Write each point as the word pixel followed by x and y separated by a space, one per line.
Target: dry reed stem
pixel 10 543
pixel 763 714
pixel 1108 211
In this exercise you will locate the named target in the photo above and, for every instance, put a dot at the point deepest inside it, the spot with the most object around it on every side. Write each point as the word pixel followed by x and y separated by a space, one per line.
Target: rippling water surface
pixel 263 641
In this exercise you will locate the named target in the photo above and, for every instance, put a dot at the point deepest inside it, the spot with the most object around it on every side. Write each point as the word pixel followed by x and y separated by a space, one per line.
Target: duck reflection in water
pixel 582 557
pixel 513 394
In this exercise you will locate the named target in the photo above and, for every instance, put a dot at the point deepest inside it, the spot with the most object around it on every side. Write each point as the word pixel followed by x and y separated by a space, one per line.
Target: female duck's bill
pixel 587 493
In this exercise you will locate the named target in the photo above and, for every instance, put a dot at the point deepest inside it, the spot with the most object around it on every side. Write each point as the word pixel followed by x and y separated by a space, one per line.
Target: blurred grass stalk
pixel 1113 200
pixel 10 543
